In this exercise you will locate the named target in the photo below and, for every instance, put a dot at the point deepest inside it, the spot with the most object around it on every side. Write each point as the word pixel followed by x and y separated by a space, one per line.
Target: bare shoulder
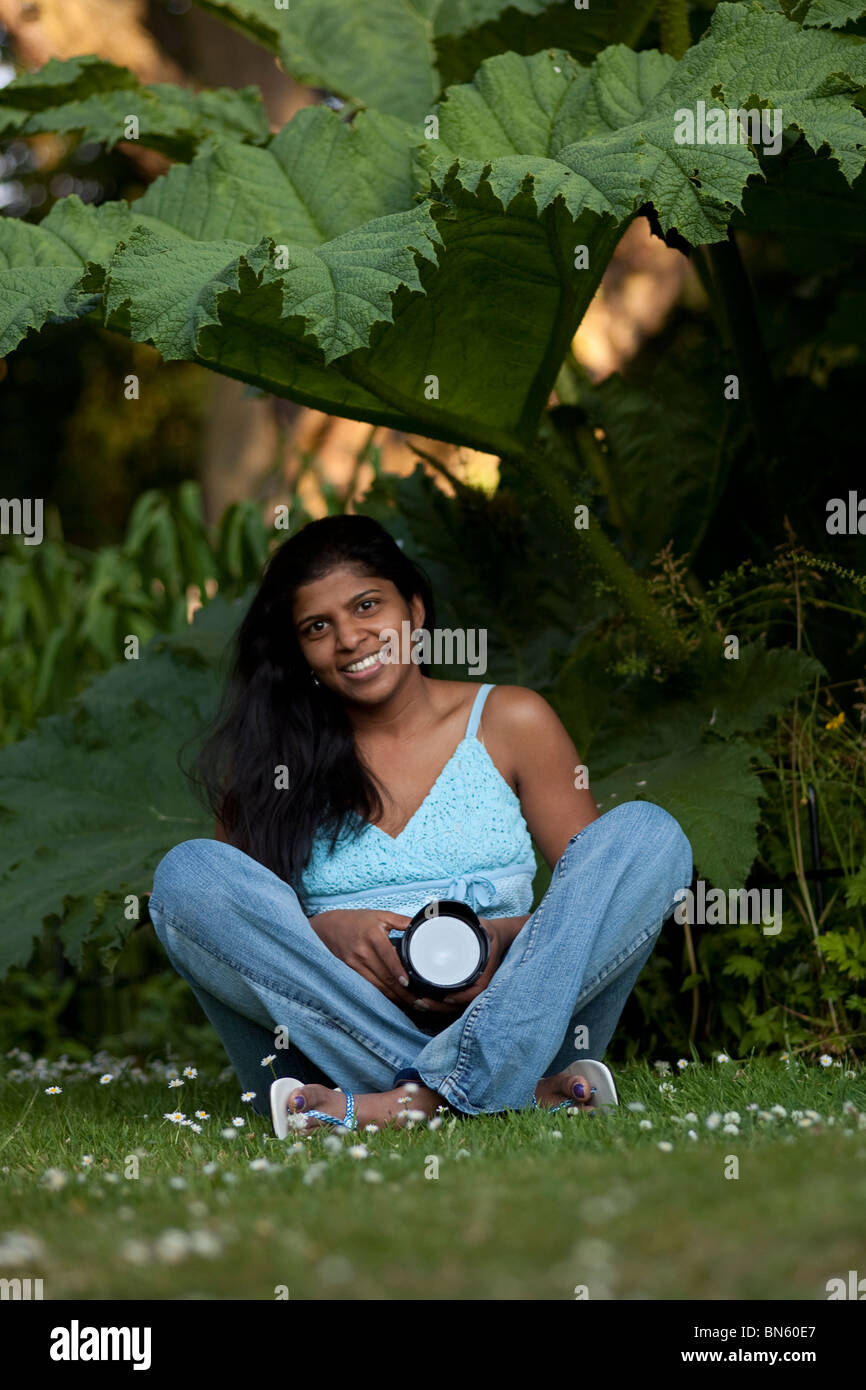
pixel 515 710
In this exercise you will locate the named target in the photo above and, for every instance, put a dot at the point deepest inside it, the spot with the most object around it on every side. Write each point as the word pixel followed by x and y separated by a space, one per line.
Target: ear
pixel 416 609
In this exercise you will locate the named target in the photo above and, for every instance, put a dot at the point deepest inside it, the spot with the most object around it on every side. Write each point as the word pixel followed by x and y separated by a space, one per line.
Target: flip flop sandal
pixel 602 1088
pixel 280 1092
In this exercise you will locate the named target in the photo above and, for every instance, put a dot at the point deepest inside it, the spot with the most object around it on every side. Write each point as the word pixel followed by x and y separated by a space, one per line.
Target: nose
pixel 350 633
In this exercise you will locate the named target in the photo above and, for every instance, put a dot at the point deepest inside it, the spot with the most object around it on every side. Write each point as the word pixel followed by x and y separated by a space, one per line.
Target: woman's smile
pixel 364 668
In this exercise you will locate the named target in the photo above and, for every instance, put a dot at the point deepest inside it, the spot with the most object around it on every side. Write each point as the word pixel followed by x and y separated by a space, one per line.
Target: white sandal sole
pixel 599 1076
pixel 279 1095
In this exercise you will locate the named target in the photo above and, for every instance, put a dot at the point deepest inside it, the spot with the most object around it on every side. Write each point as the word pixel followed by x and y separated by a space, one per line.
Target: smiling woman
pixel 350 791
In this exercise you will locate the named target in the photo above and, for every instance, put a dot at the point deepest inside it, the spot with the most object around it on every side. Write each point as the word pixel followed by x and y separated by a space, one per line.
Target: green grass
pixel 523 1215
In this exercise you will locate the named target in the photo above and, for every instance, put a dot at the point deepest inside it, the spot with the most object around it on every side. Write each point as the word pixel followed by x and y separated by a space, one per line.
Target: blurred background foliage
pixel 163 504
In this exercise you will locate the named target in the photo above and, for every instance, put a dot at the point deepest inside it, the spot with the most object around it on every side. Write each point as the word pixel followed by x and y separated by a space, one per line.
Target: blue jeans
pixel 236 932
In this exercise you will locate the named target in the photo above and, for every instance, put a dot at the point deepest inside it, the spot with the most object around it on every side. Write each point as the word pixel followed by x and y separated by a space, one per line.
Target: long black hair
pixel 274 715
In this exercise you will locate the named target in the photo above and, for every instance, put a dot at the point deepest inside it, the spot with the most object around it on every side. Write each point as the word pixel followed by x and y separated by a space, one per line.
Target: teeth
pixel 362 665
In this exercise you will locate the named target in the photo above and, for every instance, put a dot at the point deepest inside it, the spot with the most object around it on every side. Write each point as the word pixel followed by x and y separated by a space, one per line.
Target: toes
pixel 580 1089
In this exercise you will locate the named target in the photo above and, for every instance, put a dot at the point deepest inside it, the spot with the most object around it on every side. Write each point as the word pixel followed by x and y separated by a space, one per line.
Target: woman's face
pixel 338 621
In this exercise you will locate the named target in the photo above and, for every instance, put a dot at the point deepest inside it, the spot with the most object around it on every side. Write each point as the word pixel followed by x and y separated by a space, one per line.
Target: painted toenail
pixel 577 1088
pixel 299 1102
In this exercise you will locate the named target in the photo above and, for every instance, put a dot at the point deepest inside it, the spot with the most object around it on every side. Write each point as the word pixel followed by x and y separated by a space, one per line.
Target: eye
pixel 315 627
pixel 372 601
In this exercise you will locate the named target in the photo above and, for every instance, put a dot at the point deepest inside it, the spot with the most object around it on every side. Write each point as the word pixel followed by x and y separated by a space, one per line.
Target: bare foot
pixel 552 1090
pixel 410 1101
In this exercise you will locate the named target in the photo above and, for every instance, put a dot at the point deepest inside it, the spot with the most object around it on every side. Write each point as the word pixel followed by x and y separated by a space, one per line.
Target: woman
pixel 351 790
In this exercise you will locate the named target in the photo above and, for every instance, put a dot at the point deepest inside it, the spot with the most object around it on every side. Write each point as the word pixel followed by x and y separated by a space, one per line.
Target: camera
pixel 444 948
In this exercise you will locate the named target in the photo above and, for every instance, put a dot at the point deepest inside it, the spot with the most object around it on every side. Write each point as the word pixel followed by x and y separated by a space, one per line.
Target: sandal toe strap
pixel 350 1122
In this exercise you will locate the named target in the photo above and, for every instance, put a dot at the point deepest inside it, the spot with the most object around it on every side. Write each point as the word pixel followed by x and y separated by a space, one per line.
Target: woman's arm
pixel 523 733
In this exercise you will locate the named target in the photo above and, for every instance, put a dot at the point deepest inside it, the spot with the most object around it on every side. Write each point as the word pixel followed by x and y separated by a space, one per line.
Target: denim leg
pixel 599 1013
pixel 236 932
pixel 612 888
pixel 247 1043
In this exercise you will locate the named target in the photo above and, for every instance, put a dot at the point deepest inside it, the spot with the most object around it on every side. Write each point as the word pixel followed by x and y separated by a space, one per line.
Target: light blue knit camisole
pixel 467 840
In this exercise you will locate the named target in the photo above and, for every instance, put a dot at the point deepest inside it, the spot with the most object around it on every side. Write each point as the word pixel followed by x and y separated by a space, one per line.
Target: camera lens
pixel 443 950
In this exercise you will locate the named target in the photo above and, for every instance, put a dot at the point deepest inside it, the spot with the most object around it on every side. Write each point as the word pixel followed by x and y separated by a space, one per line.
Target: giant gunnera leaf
pixel 98 100
pixel 819 14
pixel 608 138
pixel 431 278
pixel 93 798
pixel 400 55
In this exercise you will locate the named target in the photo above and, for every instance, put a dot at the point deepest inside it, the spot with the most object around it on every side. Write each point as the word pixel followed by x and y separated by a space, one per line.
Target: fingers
pixel 387 972
pixel 394 920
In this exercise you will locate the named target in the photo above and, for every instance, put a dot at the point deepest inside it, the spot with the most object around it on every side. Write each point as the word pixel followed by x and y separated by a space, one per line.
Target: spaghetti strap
pixel 475 713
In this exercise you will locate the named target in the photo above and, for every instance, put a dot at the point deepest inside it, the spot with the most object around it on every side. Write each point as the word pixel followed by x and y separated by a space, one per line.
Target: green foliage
pixel 405 256
pixel 95 99
pixel 399 55
pixel 819 14
pixel 86 810
pixel 67 613
pixel 610 141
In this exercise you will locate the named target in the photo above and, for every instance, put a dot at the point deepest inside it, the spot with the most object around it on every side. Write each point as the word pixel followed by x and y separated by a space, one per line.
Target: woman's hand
pixel 359 937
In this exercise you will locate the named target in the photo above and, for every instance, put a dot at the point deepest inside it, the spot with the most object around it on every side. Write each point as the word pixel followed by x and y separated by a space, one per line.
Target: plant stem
pixel 734 303
pixel 696 998
pixel 673 16
pixel 660 633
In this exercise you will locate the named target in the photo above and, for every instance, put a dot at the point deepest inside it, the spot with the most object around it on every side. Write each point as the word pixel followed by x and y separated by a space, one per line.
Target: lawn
pixel 103 1197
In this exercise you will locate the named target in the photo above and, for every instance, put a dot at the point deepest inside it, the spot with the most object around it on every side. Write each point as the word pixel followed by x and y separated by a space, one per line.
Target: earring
pixel 315 678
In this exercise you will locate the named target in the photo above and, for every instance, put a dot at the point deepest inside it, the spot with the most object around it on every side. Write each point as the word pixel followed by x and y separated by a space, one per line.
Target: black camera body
pixel 444 948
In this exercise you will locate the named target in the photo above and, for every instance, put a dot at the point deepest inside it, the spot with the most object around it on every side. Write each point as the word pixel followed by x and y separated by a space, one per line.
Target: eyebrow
pixel 356 598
